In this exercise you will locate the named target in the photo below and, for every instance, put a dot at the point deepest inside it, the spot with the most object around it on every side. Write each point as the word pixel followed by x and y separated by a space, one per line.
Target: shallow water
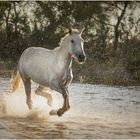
pixel 97 111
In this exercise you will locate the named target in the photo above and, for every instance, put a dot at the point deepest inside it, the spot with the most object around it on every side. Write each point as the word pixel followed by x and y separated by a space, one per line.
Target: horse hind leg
pixel 41 92
pixel 27 85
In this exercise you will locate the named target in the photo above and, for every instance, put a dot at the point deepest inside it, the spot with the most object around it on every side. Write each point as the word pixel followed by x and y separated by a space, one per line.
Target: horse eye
pixel 72 41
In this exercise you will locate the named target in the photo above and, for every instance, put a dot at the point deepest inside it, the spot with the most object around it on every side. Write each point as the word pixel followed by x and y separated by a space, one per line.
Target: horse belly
pixel 39 76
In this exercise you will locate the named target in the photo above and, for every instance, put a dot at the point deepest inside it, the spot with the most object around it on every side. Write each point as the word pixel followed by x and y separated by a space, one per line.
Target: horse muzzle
pixel 81 58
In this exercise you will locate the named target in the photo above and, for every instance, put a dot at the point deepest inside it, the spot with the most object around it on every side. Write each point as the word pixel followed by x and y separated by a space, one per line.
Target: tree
pixel 116 28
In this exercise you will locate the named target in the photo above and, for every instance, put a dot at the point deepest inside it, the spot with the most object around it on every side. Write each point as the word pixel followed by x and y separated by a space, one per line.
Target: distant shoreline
pixel 7 74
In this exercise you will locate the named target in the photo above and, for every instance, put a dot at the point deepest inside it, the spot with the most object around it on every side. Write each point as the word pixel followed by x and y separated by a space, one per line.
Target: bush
pixel 132 49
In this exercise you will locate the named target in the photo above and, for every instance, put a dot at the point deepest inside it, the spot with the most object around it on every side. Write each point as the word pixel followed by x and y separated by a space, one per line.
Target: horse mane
pixel 74 31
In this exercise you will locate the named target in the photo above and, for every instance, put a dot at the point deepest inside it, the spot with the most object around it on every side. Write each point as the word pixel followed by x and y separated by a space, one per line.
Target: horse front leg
pixel 64 91
pixel 66 105
pixel 41 92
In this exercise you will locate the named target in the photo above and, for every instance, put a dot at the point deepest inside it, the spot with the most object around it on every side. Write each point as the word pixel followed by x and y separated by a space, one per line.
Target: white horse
pixel 50 68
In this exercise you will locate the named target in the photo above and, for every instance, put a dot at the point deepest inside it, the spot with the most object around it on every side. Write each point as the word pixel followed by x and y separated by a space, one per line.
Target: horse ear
pixel 82 31
pixel 70 31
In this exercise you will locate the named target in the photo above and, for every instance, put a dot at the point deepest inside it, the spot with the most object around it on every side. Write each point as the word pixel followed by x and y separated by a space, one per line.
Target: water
pixel 97 111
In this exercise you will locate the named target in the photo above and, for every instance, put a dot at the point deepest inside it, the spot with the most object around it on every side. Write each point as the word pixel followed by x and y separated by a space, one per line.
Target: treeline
pixel 112 35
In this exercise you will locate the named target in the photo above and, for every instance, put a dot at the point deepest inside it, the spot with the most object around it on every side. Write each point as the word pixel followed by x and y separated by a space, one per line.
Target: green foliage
pixel 133 57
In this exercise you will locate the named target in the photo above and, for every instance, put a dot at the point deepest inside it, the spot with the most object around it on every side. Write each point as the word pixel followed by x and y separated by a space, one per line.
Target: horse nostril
pixel 80 56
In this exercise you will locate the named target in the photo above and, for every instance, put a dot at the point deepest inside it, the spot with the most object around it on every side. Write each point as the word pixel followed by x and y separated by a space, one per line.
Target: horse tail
pixel 15 81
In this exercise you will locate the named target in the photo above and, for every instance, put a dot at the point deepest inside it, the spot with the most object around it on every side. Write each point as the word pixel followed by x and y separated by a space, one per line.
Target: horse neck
pixel 65 56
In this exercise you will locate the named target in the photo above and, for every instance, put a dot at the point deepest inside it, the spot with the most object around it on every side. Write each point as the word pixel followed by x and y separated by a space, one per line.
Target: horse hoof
pixel 53 112
pixel 60 112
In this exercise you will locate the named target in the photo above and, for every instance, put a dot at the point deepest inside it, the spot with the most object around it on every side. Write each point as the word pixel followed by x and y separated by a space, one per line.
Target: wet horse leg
pixel 40 91
pixel 27 85
pixel 61 88
pixel 66 105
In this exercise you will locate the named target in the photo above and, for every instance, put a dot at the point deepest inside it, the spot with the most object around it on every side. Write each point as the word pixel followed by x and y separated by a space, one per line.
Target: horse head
pixel 75 42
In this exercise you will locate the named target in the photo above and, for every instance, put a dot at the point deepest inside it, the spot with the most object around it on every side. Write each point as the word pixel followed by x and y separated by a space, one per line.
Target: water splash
pixel 14 104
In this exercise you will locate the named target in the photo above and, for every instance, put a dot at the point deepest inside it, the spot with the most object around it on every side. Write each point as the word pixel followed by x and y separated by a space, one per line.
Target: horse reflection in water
pixel 50 69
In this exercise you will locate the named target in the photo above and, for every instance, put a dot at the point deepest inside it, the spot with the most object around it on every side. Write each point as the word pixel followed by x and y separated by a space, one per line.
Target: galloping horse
pixel 50 68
